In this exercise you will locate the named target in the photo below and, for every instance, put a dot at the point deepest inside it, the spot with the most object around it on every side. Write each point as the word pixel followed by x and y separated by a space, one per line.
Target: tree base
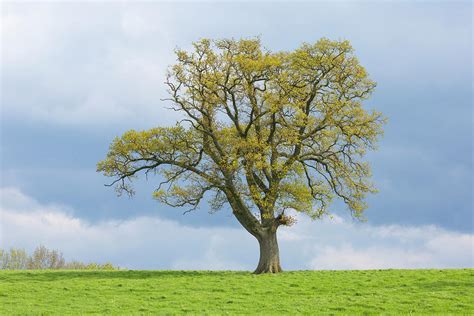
pixel 270 268
pixel 269 254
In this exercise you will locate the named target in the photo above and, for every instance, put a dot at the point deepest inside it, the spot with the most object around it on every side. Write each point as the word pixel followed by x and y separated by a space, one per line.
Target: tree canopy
pixel 262 131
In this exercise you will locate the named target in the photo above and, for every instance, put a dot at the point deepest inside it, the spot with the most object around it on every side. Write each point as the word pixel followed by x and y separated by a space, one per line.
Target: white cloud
pixel 155 243
pixel 143 242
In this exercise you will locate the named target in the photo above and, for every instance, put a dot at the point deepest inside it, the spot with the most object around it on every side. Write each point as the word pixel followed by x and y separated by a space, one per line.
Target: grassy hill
pixel 211 292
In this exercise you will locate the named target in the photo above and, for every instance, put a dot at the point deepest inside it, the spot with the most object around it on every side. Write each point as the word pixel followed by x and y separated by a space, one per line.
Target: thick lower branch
pixel 243 215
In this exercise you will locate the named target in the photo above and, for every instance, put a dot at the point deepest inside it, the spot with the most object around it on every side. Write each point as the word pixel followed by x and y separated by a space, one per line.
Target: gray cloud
pixel 80 73
pixel 93 64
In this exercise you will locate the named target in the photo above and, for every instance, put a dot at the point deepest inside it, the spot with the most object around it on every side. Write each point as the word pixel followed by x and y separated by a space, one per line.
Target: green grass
pixel 207 292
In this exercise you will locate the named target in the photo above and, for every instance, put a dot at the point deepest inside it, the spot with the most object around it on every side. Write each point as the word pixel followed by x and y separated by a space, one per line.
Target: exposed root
pixel 268 268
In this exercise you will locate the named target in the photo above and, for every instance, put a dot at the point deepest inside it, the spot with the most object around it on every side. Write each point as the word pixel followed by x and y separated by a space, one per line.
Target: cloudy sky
pixel 74 75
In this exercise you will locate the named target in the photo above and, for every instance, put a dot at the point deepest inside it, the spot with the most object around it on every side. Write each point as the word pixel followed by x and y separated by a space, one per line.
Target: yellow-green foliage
pixel 263 130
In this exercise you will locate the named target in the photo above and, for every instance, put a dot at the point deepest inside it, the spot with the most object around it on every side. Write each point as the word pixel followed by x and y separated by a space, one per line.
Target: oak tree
pixel 263 132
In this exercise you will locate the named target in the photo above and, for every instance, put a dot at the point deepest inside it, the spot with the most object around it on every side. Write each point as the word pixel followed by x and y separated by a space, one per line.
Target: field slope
pixel 208 292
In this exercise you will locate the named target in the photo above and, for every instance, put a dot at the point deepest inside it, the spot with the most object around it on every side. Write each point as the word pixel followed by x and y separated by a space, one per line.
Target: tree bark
pixel 269 254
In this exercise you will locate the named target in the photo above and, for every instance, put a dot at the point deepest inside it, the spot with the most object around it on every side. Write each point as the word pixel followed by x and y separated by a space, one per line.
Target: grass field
pixel 205 292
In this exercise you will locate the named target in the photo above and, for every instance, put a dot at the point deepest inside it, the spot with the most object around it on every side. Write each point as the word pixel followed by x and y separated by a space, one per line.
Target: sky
pixel 76 74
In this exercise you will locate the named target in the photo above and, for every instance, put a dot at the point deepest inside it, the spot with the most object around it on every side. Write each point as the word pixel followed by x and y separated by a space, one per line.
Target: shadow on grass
pixel 463 276
pixel 443 284
pixel 52 275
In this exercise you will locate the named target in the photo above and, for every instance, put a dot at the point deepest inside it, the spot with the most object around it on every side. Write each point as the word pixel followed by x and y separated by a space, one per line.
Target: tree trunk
pixel 269 254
